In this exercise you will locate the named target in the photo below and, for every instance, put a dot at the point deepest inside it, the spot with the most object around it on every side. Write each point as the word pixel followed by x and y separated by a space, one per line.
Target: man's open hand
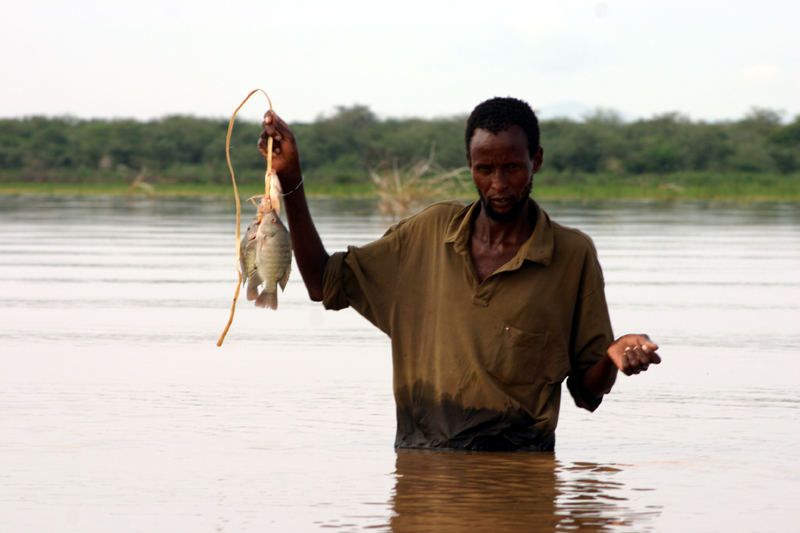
pixel 633 353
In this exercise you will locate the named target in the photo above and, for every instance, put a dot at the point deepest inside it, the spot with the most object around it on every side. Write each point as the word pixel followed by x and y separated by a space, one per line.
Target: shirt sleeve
pixel 591 331
pixel 365 278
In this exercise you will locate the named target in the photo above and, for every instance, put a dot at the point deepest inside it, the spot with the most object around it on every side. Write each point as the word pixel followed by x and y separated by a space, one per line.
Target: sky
pixel 709 60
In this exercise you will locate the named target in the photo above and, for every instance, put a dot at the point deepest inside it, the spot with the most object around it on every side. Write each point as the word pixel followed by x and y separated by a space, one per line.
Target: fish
pixel 265 252
pixel 247 261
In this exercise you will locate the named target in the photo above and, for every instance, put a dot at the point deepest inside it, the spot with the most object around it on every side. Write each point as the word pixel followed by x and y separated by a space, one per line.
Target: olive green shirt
pixel 478 365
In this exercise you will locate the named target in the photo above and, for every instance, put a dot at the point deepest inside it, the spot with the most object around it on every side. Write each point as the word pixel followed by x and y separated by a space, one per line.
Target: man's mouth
pixel 501 202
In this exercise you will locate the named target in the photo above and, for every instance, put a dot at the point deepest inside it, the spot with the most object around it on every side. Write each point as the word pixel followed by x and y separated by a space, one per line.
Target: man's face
pixel 502 170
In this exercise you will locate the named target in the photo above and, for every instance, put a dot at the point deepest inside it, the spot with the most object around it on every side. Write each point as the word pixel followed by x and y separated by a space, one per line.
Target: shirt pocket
pixel 524 358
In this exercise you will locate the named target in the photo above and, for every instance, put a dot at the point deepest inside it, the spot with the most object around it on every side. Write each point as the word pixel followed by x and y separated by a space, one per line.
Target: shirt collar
pixel 537 249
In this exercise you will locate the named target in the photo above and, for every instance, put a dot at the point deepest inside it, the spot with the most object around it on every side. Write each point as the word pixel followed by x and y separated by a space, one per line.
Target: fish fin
pixel 252 291
pixel 253 280
pixel 285 279
pixel 267 299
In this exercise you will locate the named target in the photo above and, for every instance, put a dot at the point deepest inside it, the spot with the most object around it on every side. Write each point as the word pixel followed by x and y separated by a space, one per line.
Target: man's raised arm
pixel 308 250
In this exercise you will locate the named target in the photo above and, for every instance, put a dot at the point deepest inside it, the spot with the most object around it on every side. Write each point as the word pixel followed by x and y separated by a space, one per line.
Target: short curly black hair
pixel 499 114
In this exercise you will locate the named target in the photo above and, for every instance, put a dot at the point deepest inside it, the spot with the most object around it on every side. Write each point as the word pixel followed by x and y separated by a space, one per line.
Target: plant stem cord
pixel 238 203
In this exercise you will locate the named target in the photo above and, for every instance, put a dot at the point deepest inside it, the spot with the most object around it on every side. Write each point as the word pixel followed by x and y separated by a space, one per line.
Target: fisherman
pixel 489 307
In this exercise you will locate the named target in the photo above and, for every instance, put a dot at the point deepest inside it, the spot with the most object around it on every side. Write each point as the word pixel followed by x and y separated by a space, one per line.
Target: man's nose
pixel 500 180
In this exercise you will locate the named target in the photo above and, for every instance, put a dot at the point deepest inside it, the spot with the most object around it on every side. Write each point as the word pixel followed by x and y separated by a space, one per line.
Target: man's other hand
pixel 633 353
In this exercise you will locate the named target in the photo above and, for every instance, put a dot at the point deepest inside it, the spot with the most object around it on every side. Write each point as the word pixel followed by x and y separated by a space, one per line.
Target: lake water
pixel 119 413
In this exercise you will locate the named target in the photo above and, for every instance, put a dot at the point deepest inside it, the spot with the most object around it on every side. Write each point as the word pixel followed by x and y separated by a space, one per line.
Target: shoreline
pixel 735 191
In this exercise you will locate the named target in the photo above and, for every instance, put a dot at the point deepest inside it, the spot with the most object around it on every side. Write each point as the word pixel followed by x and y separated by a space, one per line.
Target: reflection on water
pixel 119 413
pixel 462 491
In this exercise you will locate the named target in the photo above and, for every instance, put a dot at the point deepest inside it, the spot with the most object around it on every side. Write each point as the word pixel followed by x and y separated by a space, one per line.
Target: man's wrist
pixel 295 188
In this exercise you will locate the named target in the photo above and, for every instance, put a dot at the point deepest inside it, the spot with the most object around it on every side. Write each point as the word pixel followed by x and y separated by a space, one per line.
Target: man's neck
pixel 504 233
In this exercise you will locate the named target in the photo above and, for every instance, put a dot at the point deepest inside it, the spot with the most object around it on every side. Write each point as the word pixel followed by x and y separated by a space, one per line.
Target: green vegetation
pixel 667 156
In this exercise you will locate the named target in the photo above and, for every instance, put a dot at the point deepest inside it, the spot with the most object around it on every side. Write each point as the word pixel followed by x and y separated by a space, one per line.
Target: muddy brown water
pixel 119 413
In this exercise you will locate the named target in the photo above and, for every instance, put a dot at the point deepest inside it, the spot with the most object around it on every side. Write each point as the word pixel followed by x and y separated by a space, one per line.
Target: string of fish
pixel 264 254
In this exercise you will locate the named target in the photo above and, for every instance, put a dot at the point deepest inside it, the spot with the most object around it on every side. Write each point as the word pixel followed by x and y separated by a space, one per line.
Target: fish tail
pixel 267 299
pixel 261 301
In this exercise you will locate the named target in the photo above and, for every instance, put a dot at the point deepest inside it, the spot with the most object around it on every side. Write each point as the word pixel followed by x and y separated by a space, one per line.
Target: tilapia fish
pixel 265 256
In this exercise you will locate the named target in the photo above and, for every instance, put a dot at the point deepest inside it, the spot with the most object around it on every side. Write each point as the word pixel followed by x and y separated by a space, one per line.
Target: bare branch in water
pixel 139 185
pixel 404 189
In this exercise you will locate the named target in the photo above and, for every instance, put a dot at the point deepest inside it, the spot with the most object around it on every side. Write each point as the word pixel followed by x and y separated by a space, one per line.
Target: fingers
pixel 640 338
pixel 631 362
pixel 272 125
pixel 638 357
pixel 262 144
pixel 285 157
pixel 275 126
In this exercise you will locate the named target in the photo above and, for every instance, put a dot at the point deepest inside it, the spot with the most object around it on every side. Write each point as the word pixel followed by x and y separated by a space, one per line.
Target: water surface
pixel 119 413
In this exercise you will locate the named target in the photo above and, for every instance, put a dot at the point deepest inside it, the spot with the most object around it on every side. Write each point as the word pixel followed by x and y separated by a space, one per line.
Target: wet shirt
pixel 478 365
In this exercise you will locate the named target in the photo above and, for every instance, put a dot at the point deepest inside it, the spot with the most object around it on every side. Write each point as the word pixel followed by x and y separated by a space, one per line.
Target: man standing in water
pixel 489 307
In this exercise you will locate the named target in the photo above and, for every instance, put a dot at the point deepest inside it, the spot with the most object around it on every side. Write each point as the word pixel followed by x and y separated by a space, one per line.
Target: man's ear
pixel 537 159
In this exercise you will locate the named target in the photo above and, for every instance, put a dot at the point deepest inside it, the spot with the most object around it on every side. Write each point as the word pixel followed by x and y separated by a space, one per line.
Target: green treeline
pixel 342 148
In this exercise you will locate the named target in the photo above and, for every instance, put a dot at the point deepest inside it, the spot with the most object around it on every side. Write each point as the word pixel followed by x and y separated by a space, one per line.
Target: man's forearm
pixel 600 377
pixel 309 253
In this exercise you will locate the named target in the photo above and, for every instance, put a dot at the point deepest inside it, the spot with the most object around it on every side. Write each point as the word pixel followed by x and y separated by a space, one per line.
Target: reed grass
pixel 403 190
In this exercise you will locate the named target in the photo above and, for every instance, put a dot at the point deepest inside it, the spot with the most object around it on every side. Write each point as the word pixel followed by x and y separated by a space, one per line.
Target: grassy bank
pixel 550 185
pixel 682 185
pixel 172 190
